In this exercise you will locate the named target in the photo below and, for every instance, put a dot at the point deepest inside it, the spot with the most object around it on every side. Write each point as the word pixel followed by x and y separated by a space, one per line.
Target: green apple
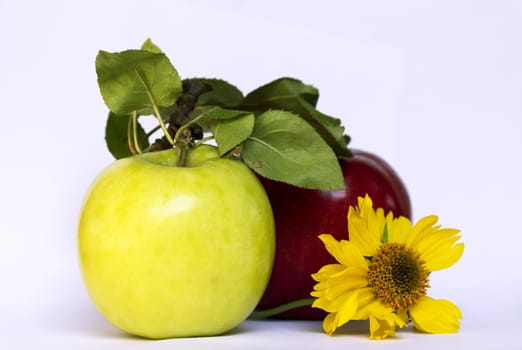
pixel 169 251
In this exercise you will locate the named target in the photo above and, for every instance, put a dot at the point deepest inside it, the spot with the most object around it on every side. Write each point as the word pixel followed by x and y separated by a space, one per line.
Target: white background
pixel 435 87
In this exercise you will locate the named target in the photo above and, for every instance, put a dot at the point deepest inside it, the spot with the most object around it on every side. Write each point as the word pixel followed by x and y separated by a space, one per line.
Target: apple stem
pixel 182 144
pixel 282 308
pixel 183 140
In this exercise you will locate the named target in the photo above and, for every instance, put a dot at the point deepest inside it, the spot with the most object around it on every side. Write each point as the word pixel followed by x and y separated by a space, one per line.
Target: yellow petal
pixel 344 252
pixel 365 238
pixel 435 316
pixel 426 222
pixel 380 311
pixel 364 205
pixel 364 298
pixel 399 230
pixel 325 304
pixel 332 246
pixel 319 289
pixel 350 256
pixel 424 226
pixel 443 258
pixel 332 299
pixel 403 315
pixel 375 222
pixel 347 310
pixel 339 314
pixel 329 324
pixel 317 294
pixel 438 248
pixel 383 320
pixel 328 271
pixel 321 286
pixel 380 328
pixel 350 279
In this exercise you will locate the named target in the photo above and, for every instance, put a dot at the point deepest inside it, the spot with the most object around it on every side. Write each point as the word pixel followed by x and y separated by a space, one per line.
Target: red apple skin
pixel 301 215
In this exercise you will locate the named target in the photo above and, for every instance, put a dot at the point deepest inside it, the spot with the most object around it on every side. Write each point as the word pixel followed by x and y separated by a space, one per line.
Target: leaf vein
pixel 281 154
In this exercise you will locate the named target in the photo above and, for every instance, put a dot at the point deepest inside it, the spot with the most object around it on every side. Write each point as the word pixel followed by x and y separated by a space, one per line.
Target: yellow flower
pixel 382 274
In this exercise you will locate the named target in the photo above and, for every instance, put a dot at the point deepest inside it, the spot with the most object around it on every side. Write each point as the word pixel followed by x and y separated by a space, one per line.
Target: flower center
pixel 398 276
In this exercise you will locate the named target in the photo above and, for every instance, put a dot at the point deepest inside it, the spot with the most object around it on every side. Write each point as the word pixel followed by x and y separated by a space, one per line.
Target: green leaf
pixel 283 88
pixel 294 96
pixel 221 113
pixel 229 127
pixel 229 133
pixel 137 81
pixel 223 94
pixel 116 135
pixel 284 147
pixel 148 45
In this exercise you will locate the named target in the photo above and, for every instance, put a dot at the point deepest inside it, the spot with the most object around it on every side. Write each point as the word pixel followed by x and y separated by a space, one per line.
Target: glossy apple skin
pixel 176 252
pixel 301 215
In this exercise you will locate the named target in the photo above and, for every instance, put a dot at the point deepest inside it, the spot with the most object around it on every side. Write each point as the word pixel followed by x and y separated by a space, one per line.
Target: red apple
pixel 301 215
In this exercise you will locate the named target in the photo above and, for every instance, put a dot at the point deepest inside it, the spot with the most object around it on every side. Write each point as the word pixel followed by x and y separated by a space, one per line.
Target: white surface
pixel 435 87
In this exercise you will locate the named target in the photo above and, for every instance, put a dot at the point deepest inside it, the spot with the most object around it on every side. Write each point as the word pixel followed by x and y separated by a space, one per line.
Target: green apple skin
pixel 170 251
